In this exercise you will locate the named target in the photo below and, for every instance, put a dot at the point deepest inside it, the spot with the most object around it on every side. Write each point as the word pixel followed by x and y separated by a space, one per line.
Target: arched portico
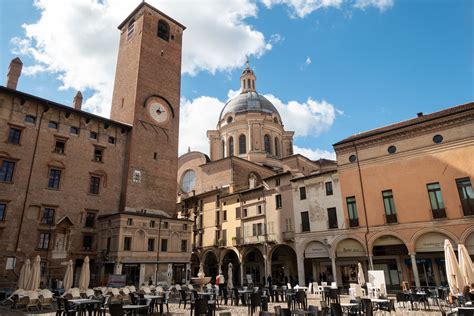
pixel 253 266
pixel 230 256
pixel 283 264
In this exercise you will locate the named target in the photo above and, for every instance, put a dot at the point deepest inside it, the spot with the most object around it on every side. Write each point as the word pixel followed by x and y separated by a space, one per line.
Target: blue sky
pixel 372 66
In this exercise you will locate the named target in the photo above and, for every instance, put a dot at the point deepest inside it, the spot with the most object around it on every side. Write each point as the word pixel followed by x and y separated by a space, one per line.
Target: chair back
pixel 277 310
pixel 314 309
pixel 116 310
pixel 324 283
pixel 200 307
pixel 310 288
pixel 255 299
pixel 178 287
pixel 288 285
pixel 367 304
pixel 285 312
pixel 333 285
pixel 336 309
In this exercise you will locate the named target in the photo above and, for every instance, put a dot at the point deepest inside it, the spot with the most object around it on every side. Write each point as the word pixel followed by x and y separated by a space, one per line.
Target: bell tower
pixel 147 95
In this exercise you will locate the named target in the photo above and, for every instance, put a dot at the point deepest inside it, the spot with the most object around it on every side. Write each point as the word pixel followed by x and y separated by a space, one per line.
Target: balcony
pixel 289 236
pixel 439 213
pixel 220 243
pixel 251 240
pixel 354 222
pixel 391 218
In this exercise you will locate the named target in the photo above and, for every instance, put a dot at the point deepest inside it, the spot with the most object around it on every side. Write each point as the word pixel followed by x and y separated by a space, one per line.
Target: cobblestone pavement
pixel 242 310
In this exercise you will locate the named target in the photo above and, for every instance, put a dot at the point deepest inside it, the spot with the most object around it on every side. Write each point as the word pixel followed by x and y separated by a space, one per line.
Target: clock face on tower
pixel 158 111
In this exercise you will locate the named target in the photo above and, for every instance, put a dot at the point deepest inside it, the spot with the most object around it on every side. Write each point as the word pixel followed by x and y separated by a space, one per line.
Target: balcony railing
pixel 354 222
pixel 391 218
pixel 439 213
pixel 220 243
pixel 259 239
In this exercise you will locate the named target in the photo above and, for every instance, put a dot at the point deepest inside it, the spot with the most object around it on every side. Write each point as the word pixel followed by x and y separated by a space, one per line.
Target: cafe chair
pixel 255 302
pixel 336 309
pixel 367 307
pixel 200 307
pixel 285 312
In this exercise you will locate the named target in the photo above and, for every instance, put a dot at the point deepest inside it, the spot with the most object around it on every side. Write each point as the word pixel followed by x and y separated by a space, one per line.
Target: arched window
pixel 242 144
pixel 231 146
pixel 163 30
pixel 277 147
pixel 266 142
pixel 223 149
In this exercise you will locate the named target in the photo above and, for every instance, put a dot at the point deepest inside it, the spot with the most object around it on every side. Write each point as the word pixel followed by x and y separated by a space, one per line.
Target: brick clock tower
pixel 147 96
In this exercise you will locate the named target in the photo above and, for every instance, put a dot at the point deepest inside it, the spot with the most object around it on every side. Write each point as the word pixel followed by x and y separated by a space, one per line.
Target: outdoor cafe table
pixel 134 308
pixel 155 299
pixel 379 301
pixel 83 303
pixel 245 294
pixel 346 307
pixel 301 312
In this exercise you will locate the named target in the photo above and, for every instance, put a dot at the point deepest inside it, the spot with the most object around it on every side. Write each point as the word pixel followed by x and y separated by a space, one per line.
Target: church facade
pixel 73 184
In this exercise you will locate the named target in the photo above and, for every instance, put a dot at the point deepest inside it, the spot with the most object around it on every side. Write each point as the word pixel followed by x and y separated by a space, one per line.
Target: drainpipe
pixel 371 263
pixel 45 109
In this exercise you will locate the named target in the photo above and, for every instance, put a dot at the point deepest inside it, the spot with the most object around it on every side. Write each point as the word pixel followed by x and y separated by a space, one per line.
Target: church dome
pixel 249 101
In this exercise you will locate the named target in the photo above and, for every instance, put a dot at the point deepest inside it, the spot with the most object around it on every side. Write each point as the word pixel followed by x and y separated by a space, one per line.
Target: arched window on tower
pixel 242 144
pixel 266 142
pixel 231 146
pixel 163 30
pixel 277 147
pixel 223 149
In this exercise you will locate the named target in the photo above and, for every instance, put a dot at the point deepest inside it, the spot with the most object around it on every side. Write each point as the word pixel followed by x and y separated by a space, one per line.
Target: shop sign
pixel 316 250
pixel 350 248
pixel 388 241
pixel 117 280
pixel 431 242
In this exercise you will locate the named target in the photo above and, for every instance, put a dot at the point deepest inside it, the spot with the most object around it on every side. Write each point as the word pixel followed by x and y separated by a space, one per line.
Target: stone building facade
pixel 69 180
pixel 405 188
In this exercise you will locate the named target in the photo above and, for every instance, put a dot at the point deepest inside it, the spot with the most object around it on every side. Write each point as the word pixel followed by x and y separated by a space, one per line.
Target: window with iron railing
pixel 352 210
pixel 436 200
pixel 389 206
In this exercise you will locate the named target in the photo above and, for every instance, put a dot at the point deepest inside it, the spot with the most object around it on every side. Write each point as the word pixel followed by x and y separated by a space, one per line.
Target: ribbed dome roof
pixel 248 102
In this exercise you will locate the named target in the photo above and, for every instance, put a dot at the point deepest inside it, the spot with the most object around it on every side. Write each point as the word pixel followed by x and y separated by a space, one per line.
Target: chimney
pixel 419 114
pixel 77 102
pixel 14 72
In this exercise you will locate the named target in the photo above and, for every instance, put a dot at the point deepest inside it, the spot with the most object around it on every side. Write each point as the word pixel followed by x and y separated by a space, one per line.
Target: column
pixel 314 265
pixel 334 269
pixel 300 267
pixel 241 273
pixel 142 274
pixel 415 270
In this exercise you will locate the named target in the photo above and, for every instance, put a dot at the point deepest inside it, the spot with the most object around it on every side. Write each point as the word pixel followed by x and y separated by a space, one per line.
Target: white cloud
pixel 307 61
pixel 77 40
pixel 310 118
pixel 314 153
pixel 302 8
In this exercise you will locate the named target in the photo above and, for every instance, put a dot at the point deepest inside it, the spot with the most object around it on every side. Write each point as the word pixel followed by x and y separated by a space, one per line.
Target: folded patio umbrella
pixel 360 275
pixel 67 281
pixel 453 273
pixel 35 277
pixel 465 264
pixel 85 277
pixel 230 284
pixel 25 274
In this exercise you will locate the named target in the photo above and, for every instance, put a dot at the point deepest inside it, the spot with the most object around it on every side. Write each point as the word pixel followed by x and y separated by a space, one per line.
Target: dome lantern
pixel 247 79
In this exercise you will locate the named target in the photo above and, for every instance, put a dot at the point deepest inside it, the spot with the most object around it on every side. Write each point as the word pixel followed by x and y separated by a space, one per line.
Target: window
pixel 277 147
pixel 352 210
pixel 93 135
pixel 288 225
pixel 109 241
pixel 303 193
pixel 53 124
pixel 231 146
pixel 259 209
pixel 152 223
pixel 329 188
pixel 43 242
pixel 151 244
pixel 165 225
pixel 30 119
pixel 218 200
pixel 229 120
pixel 3 209
pixel 60 146
pixel 94 185
pixel 237 212
pixel 242 144
pixel 266 142
pixel 43 268
pixel 436 200
pixel 54 178
pixel 437 139
pixel 305 222
pixel 245 212
pixel 164 245
pixel 352 158
pixel 90 220
pixel 185 227
pixel 257 229
pixel 223 148
pixel 129 221
pixel 278 201
pixel 392 149
pixel 389 205
pixel 98 154
pixel 217 218
pixel 127 243
pixel 224 216
pixel 277 182
pixel 48 216
pixel 332 218
pixel 111 140
pixel 163 30
pixel 184 246
pixel 6 173
pixel 14 136
pixel 74 130
pixel 87 242
pixel 466 195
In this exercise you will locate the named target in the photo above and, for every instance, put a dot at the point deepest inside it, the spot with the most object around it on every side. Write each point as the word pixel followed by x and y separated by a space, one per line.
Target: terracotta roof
pixel 411 122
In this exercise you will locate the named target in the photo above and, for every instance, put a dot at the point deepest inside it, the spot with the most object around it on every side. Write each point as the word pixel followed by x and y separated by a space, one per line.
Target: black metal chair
pixel 116 309
pixel 313 309
pixel 285 312
pixel 388 307
pixel 277 310
pixel 255 302
pixel 367 307
pixel 235 296
pixel 336 309
pixel 300 299
pixel 333 296
pixel 183 297
pixel 200 307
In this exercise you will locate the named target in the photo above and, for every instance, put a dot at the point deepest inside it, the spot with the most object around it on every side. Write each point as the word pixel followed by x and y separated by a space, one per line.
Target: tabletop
pixel 349 304
pixel 301 312
pixel 83 301
pixel 150 297
pixel 379 300
pixel 134 306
